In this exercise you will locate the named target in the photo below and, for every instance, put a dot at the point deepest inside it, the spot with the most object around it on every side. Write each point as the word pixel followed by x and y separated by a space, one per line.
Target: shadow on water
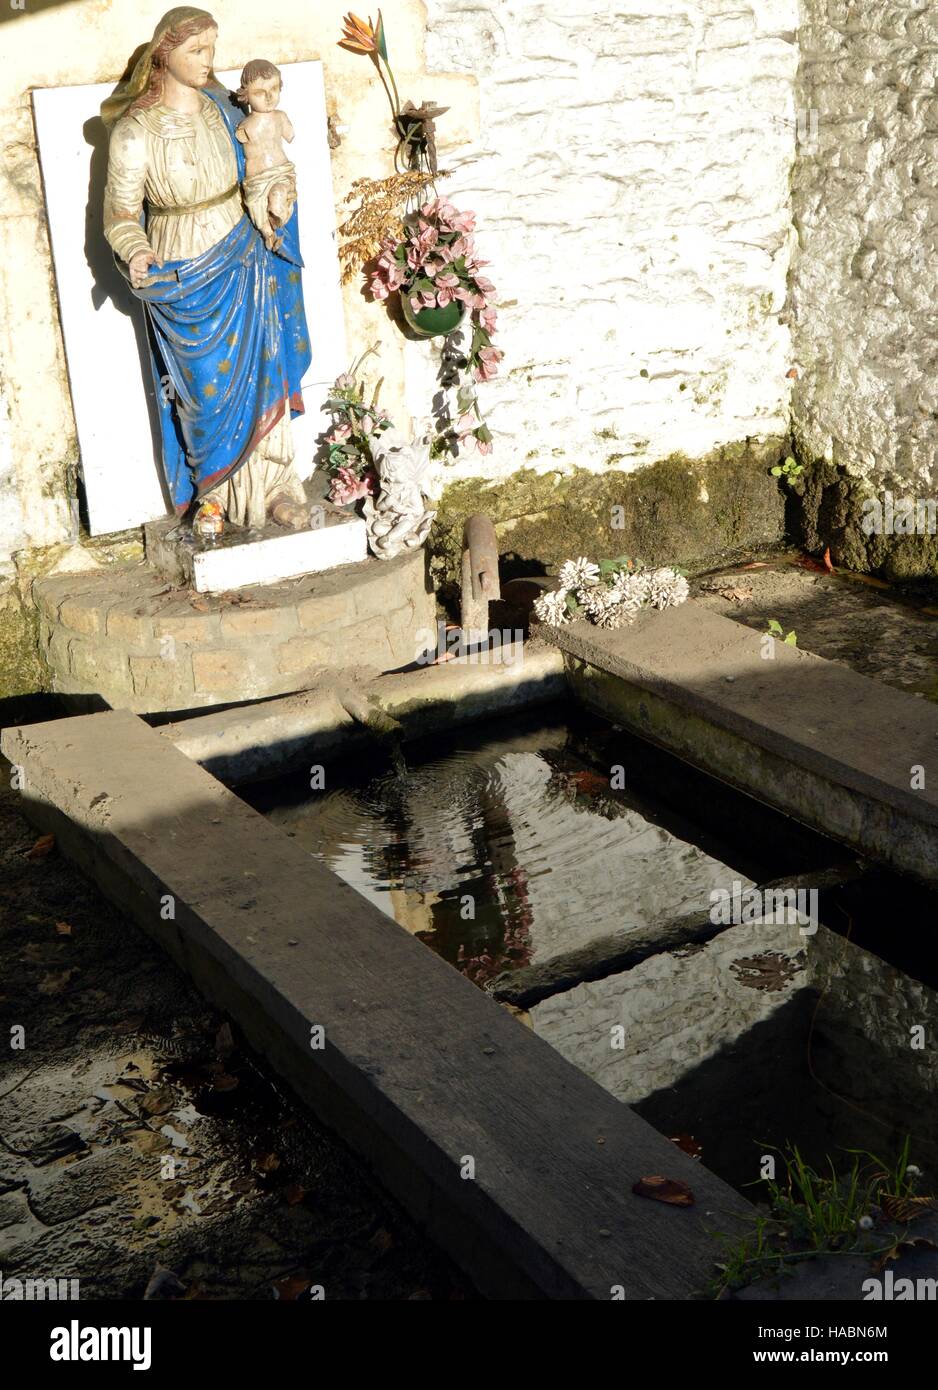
pixel 505 846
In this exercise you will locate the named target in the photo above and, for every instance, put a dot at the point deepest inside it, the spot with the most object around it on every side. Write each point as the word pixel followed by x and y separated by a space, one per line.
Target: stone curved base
pixel 134 641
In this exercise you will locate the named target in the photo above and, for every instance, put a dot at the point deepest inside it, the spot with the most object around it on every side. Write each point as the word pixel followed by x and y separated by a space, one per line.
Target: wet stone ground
pixel 142 1146
pixel 882 631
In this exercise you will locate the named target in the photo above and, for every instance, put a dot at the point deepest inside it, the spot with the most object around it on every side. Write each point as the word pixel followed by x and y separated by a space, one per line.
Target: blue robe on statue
pixel 229 347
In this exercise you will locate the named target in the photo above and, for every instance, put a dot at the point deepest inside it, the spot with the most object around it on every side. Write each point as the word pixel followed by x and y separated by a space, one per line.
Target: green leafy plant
pixel 811 1213
pixel 775 629
pixel 790 470
pixel 356 421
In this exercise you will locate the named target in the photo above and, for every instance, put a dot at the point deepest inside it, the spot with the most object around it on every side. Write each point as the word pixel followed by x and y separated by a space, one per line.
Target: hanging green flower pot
pixel 433 323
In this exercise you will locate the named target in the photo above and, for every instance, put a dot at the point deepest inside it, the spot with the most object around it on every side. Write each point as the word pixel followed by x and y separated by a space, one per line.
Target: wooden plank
pixel 420 1071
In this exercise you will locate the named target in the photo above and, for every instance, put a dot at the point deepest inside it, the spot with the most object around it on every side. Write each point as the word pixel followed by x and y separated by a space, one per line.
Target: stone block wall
pixel 135 642
pixel 632 185
pixel 865 404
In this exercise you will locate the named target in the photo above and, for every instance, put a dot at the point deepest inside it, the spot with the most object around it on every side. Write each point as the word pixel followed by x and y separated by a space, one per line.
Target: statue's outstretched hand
pixel 139 266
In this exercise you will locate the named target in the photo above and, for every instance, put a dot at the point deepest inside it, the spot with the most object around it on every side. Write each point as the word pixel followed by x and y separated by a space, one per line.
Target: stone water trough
pixel 512 1158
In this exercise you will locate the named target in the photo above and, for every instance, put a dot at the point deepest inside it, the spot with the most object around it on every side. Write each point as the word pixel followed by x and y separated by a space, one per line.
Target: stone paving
pixel 138 1135
pixel 863 623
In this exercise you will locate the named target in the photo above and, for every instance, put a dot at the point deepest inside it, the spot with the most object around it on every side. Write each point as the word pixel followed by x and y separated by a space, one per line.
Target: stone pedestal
pixel 129 638
pixel 241 558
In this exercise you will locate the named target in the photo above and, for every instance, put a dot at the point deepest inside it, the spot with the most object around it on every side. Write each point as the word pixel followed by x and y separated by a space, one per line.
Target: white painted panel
pixel 102 323
pixel 280 557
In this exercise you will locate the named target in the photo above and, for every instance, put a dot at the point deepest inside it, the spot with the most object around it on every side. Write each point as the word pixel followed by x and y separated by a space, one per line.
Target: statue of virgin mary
pixel 227 326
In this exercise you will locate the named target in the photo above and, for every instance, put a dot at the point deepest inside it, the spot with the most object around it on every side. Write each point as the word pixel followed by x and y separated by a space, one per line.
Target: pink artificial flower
pixel 423 299
pixel 424 241
pixel 341 431
pixel 348 487
pixel 485 286
pixel 488 318
pixel 446 286
pixel 463 222
pixel 487 368
pixel 476 440
pixel 441 209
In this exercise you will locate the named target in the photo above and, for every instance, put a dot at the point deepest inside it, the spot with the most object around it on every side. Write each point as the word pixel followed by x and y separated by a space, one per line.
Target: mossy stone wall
pixel 682 511
pixel 21 669
pixel 827 509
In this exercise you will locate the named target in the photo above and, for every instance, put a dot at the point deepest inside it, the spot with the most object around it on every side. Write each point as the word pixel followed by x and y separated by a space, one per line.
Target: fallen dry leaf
pixel 290 1288
pixel 770 971
pixel 224 1040
pixel 906 1243
pixel 43 846
pixel 55 982
pixel 158 1102
pixel 670 1190
pixel 906 1209
pixel 808 562
pixel 589 783
pixel 63 929
pixel 688 1143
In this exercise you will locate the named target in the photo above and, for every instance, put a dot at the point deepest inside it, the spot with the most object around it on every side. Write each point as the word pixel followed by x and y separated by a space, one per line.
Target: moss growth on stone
pixel 21 669
pixel 680 510
pixel 826 509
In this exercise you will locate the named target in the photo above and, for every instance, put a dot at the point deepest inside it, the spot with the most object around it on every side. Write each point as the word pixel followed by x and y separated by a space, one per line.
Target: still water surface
pixel 506 844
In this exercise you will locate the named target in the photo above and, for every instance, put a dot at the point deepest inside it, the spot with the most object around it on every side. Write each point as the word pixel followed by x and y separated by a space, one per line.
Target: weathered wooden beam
pixel 512 1158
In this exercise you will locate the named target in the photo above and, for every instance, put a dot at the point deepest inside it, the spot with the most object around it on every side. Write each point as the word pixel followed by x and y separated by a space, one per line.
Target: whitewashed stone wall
pixel 865 273
pixel 632 181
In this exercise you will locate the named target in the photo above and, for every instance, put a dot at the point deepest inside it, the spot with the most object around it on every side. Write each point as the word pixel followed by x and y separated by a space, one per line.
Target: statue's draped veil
pixel 126 93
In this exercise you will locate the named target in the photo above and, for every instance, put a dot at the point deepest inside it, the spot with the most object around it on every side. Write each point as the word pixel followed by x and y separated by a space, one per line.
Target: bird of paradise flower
pixel 414 125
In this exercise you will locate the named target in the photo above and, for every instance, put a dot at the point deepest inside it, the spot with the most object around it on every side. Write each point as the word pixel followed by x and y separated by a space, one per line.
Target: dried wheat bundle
pixel 382 206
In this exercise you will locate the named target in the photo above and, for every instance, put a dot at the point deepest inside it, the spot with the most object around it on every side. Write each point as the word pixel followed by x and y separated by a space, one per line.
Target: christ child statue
pixel 270 177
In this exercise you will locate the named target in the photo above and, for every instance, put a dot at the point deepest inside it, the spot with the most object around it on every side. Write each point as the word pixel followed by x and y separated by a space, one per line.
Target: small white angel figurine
pixel 400 518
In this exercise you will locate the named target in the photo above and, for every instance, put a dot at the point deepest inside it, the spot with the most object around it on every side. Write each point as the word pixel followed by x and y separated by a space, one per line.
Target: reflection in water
pixel 500 852
pixel 823 1058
